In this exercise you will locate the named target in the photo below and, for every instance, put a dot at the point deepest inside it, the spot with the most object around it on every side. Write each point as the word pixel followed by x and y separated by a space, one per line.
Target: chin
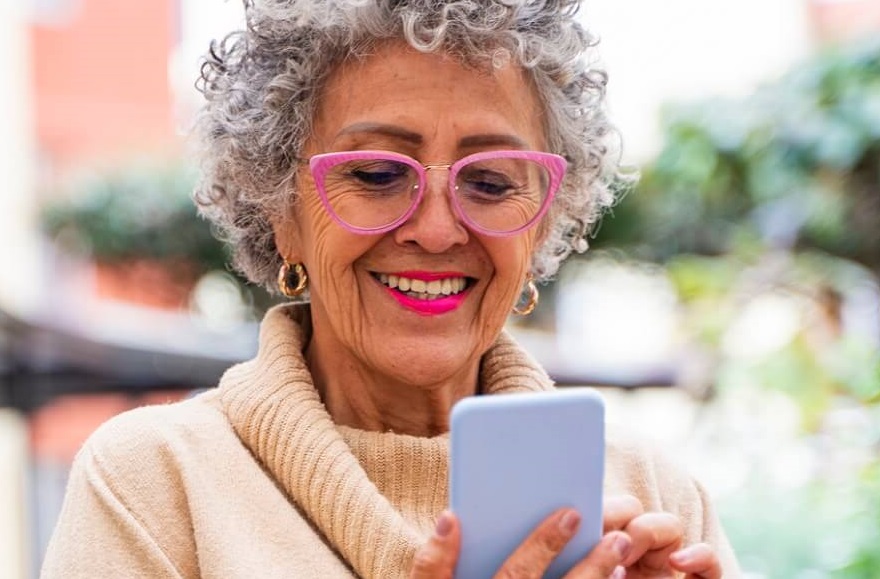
pixel 423 365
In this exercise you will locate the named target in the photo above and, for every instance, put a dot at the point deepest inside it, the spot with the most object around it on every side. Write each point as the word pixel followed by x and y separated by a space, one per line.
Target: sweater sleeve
pixel 118 518
pixel 712 532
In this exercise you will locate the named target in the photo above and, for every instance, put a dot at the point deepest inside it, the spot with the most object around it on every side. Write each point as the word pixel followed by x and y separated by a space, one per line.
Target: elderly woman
pixel 405 170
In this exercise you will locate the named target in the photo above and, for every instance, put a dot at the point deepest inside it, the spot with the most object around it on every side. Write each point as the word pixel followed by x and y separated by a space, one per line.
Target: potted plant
pixel 140 229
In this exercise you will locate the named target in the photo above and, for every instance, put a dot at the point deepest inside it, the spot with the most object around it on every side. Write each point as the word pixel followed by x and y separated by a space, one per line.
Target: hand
pixel 657 543
pixel 437 558
pixel 635 545
pixel 698 561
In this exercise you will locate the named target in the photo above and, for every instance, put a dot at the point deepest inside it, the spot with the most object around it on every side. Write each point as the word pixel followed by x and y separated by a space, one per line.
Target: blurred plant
pixel 775 325
pixel 765 212
pixel 794 165
pixel 139 213
pixel 825 529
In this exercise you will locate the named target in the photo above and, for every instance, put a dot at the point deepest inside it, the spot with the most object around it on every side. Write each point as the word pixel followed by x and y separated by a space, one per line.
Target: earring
pixel 292 281
pixel 529 306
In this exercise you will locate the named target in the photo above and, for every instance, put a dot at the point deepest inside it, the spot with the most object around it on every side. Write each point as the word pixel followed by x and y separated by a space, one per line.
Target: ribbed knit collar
pixel 372 495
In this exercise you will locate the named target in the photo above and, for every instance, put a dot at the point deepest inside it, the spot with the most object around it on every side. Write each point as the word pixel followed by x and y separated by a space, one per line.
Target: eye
pixel 488 185
pixel 378 175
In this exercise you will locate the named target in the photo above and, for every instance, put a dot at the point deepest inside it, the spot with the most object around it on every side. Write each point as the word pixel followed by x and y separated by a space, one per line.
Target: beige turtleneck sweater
pixel 253 479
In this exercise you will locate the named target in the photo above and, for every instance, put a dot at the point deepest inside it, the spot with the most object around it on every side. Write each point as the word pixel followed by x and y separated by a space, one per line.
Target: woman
pixel 411 166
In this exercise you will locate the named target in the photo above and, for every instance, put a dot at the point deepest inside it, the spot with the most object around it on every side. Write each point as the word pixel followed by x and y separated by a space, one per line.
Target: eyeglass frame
pixel 320 164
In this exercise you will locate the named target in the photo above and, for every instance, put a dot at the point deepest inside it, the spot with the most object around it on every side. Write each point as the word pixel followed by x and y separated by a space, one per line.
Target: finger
pixel 534 555
pixel 655 537
pixel 618 511
pixel 436 559
pixel 698 561
pixel 605 560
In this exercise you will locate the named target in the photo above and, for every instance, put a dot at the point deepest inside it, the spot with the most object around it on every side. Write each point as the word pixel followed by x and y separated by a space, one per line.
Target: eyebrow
pixel 492 140
pixel 486 140
pixel 382 129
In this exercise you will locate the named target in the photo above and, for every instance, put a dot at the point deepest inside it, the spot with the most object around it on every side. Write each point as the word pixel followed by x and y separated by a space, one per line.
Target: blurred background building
pixel 728 309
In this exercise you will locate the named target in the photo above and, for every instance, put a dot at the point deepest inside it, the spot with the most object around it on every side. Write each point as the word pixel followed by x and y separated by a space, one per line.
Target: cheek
pixel 517 253
pixel 330 254
pixel 324 252
pixel 511 259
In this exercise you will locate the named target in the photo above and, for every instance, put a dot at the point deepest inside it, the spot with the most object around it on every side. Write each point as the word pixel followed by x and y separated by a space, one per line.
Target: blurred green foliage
pixel 140 212
pixel 825 529
pixel 794 165
pixel 773 201
pixel 144 212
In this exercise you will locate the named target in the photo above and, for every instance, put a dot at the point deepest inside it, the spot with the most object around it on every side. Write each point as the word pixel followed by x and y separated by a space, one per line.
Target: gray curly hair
pixel 261 86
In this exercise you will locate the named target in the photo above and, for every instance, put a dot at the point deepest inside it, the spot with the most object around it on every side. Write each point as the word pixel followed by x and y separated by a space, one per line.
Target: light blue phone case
pixel 515 458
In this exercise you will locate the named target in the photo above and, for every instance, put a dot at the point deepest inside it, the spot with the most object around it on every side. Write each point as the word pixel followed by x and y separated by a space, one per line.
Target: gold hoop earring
pixel 530 305
pixel 287 284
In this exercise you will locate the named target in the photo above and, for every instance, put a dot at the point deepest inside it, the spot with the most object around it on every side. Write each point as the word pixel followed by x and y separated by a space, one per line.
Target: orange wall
pixel 101 81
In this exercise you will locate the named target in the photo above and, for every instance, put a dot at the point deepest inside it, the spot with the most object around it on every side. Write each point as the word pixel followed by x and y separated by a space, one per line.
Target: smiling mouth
pixel 422 289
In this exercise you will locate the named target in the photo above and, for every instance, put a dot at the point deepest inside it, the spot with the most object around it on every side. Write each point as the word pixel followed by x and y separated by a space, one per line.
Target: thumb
pixel 436 559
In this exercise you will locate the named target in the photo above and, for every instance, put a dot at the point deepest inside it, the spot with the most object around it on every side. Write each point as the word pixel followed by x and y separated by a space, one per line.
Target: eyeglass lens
pixel 498 194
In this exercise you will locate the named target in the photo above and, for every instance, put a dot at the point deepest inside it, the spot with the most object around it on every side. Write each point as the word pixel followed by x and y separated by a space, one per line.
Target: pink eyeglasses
pixel 496 193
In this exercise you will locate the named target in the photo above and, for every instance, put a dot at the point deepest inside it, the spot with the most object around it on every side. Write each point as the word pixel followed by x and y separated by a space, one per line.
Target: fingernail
pixel 682 557
pixel 619 573
pixel 569 522
pixel 621 545
pixel 444 524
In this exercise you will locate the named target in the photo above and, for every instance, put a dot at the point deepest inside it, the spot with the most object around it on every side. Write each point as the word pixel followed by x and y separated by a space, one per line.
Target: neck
pixel 359 398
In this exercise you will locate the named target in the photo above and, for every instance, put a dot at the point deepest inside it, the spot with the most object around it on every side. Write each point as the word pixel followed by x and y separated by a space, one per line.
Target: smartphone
pixel 516 458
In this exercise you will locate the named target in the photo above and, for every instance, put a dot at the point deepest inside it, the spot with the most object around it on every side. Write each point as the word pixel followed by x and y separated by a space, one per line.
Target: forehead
pixel 431 96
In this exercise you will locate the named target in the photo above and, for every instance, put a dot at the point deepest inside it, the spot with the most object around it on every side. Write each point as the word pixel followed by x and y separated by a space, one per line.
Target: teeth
pixel 424 290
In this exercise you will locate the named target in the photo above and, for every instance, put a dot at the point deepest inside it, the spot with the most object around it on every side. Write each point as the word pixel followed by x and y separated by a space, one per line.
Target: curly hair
pixel 261 85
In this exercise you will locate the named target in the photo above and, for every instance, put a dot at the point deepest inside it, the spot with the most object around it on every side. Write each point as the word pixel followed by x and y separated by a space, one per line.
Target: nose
pixel 434 226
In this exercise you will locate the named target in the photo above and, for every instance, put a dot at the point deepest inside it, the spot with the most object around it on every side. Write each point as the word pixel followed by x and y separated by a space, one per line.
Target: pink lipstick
pixel 426 307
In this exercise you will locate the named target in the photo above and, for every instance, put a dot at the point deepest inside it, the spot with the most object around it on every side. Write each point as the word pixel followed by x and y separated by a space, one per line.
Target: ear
pixel 287 237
